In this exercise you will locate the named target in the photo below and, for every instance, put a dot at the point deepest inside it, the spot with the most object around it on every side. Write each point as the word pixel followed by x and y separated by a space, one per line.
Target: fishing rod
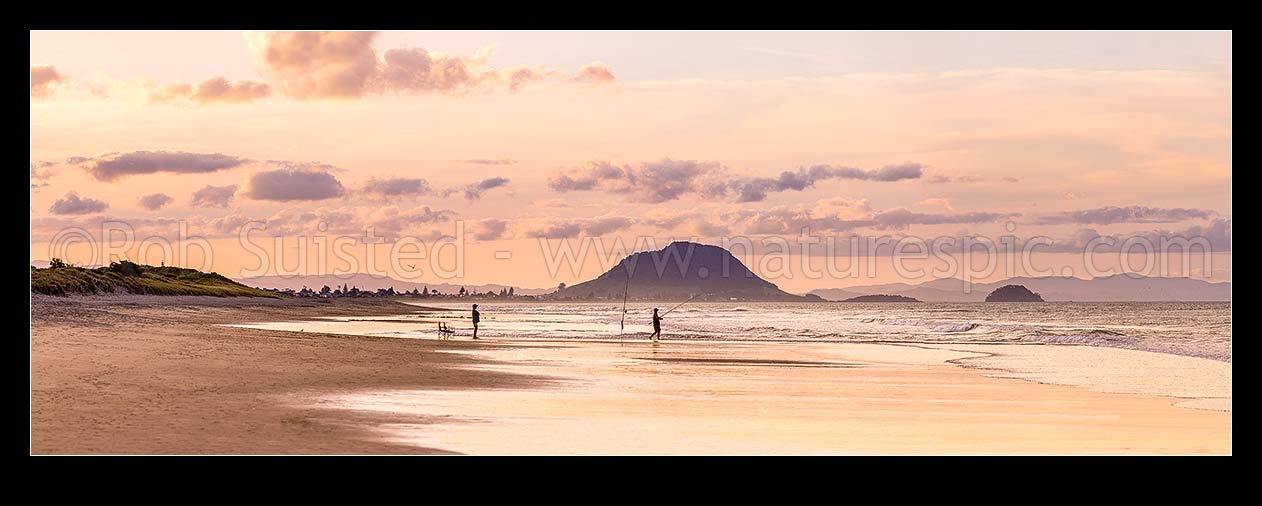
pixel 622 325
pixel 681 303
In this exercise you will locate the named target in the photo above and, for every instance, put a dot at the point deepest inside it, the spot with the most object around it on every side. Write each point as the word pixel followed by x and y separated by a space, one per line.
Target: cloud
pixel 230 224
pixel 941 178
pixel 653 182
pixel 594 73
pixel 489 229
pixel 155 201
pixel 384 221
pixel 392 220
pixel 473 191
pixel 114 165
pixel 43 79
pixel 305 166
pixel 785 220
pixel 1217 233
pixel 292 221
pixel 706 229
pixel 395 187
pixel 214 89
pixel 840 215
pixel 756 189
pixel 667 179
pixel 213 196
pixel 943 202
pixel 1130 214
pixel 49 227
pixel 602 226
pixel 284 185
pixel 521 76
pixel 43 170
pixel 564 228
pixel 313 65
pixel 489 161
pixel 71 203
pixel 317 64
pixel 417 70
pixel 899 219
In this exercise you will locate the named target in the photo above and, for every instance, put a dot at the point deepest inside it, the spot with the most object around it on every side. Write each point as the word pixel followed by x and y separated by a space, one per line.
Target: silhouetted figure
pixel 477 317
pixel 657 326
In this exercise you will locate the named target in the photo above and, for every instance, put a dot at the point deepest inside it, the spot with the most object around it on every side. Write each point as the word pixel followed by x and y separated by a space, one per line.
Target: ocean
pixel 1196 329
pixel 1180 350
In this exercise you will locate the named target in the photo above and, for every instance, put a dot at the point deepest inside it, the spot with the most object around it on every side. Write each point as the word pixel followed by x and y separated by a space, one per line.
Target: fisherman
pixel 657 326
pixel 476 318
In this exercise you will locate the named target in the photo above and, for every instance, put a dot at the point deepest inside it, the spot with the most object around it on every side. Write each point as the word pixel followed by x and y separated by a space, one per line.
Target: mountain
pixel 1121 287
pixel 873 289
pixel 370 282
pixel 880 298
pixel 677 272
pixel 1013 293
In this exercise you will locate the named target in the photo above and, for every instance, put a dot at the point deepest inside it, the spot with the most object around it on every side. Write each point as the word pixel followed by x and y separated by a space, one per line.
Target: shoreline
pixel 158 375
pixel 168 377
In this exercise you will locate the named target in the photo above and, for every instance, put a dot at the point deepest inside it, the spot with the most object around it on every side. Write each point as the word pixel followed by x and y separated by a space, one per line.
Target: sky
pixel 518 145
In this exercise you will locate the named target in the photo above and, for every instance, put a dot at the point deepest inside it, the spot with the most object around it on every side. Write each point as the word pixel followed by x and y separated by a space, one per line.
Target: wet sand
pixel 146 375
pixel 792 398
pixel 152 375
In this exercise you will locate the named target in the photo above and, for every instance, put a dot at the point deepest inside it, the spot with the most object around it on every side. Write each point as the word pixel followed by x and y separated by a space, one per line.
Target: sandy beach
pixel 140 375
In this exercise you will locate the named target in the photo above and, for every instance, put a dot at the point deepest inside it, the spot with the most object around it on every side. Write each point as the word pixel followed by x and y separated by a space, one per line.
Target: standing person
pixel 657 326
pixel 476 318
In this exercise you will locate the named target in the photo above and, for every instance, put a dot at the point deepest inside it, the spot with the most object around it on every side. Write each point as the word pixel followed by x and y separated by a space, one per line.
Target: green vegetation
pixel 128 277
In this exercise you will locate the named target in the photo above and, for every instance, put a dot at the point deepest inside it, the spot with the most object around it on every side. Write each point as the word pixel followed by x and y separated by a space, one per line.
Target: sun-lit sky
pixel 524 139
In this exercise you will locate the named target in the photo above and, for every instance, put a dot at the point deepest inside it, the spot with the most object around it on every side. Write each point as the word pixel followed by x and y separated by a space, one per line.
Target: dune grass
pixel 130 278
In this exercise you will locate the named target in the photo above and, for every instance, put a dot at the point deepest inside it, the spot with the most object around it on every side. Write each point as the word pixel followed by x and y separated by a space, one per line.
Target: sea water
pixel 1197 329
pixel 1172 349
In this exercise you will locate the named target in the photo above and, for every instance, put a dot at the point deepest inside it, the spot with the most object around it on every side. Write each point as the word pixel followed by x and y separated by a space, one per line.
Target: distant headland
pixel 124 277
pixel 880 298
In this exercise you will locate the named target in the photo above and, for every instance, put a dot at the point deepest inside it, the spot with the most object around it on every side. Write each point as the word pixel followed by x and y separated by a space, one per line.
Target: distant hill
pixel 1122 287
pixel 131 278
pixel 880 298
pixel 1013 293
pixel 677 272
pixel 370 282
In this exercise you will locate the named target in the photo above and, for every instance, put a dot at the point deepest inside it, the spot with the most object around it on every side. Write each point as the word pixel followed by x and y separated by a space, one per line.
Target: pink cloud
pixel 310 65
pixel 594 73
pixel 214 89
pixel 213 196
pixel 521 76
pixel 667 179
pixel 318 64
pixel 115 165
pixel 154 202
pixel 72 203
pixel 489 229
pixel 284 185
pixel 43 79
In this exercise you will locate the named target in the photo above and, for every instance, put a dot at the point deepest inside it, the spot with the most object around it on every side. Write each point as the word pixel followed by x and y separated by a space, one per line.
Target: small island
pixel 880 298
pixel 1013 293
